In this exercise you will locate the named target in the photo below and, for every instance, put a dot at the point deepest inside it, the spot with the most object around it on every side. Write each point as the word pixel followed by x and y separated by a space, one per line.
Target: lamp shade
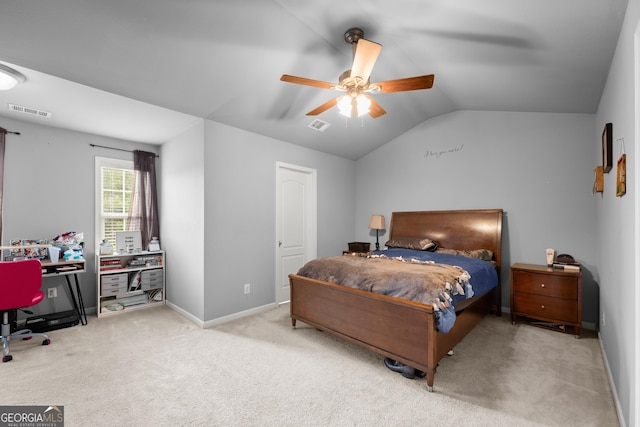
pixel 377 222
pixel 9 77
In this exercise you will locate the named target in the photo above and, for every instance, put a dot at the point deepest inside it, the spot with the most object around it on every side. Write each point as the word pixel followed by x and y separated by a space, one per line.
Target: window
pixel 114 182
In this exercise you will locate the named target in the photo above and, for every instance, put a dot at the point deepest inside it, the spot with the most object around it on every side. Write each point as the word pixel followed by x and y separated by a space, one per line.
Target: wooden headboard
pixel 463 229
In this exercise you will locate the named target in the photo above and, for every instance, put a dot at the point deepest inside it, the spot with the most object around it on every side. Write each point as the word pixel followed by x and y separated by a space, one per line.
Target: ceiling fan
pixel 356 84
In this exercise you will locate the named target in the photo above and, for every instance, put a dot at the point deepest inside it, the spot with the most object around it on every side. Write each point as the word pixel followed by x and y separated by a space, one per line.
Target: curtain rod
pixel 113 148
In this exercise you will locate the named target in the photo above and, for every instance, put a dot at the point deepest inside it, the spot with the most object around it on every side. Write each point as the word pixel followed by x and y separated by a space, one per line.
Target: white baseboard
pixel 220 320
pixel 611 383
pixel 185 314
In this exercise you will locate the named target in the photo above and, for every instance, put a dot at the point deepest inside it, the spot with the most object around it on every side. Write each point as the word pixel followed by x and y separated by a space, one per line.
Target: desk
pixel 60 268
pixel 66 269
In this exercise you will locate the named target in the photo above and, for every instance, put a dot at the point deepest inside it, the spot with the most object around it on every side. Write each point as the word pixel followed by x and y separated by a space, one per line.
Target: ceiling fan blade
pixel 307 82
pixel 324 107
pixel 409 83
pixel 375 110
pixel 364 59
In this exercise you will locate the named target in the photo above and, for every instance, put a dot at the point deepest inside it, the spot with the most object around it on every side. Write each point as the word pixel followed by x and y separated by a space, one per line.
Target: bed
pixel 396 328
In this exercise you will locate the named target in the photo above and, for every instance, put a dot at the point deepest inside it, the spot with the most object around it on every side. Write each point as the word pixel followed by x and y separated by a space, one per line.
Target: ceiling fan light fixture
pixel 356 81
pixel 351 106
pixel 9 77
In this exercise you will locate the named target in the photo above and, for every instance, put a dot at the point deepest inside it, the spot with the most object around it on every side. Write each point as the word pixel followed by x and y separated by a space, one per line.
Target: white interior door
pixel 296 229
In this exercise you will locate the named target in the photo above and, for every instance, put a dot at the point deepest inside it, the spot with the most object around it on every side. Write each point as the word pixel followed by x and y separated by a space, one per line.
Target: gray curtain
pixel 3 133
pixel 143 212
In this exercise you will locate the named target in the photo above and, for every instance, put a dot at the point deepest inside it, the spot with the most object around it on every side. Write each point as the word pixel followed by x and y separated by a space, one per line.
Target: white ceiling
pixel 146 70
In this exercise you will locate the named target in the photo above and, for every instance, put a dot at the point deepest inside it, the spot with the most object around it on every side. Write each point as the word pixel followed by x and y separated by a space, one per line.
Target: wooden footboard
pixel 399 329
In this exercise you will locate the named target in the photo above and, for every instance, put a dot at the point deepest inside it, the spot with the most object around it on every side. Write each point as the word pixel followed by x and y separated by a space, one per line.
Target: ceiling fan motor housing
pixel 352 35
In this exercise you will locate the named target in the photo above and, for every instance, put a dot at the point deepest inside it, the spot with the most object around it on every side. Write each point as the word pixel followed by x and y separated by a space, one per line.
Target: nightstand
pixel 357 248
pixel 546 294
pixel 355 253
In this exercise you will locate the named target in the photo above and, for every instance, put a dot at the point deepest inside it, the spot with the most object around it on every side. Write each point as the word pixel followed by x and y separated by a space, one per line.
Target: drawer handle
pixel 542 307
pixel 542 285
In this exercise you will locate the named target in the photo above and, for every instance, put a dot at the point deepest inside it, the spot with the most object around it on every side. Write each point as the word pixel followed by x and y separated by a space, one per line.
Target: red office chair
pixel 20 283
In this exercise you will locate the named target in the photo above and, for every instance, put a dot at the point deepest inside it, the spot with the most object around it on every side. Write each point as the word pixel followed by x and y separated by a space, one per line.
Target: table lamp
pixel 377 223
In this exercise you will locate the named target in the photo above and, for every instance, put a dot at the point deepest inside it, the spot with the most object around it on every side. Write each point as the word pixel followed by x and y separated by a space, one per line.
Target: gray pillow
pixel 483 254
pixel 412 243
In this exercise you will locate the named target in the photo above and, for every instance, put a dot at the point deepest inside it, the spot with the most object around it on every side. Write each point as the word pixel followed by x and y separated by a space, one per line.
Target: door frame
pixel 311 220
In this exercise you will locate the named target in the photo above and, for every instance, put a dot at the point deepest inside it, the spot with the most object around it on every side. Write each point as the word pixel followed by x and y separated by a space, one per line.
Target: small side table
pixel 358 248
pixel 546 294
pixel 356 253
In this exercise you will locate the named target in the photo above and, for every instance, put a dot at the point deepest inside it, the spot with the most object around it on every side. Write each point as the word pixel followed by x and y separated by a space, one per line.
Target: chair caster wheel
pixel 7 358
pixel 46 342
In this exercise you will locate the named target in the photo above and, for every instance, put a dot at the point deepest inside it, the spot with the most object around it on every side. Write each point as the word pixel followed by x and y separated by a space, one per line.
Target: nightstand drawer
pixel 537 306
pixel 545 284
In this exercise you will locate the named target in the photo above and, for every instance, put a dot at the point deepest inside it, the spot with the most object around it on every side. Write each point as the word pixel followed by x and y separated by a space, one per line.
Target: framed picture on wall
pixel 621 176
pixel 607 134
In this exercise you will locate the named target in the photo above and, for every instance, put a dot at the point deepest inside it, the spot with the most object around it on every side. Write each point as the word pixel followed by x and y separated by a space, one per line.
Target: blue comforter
pixel 483 277
pixel 483 274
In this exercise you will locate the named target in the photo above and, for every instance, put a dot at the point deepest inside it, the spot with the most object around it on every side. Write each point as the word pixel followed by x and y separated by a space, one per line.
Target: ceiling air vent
pixel 30 111
pixel 319 125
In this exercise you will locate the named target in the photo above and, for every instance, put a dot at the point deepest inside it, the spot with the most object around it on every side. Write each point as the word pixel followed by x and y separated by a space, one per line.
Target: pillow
pixel 412 243
pixel 483 254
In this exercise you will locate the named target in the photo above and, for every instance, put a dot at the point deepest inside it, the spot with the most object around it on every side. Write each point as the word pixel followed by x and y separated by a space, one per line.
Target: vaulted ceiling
pixel 144 70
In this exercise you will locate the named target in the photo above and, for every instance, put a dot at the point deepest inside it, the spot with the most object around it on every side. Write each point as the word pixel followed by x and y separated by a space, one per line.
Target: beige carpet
pixel 154 368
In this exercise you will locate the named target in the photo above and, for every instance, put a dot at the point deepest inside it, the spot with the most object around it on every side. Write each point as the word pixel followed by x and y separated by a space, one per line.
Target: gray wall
pixel 182 220
pixel 240 211
pixel 617 231
pixel 49 189
pixel 537 167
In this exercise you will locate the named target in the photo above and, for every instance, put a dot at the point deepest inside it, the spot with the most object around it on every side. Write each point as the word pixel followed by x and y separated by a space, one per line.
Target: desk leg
pixel 78 303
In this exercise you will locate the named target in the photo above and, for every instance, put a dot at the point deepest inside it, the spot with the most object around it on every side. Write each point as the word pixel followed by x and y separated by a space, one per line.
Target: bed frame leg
pixel 431 373
pixel 293 323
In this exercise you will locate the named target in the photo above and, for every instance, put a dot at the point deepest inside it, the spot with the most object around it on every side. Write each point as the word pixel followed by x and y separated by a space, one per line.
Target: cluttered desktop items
pixel 66 246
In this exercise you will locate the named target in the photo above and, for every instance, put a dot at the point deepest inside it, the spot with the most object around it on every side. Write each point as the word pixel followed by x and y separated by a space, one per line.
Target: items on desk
pixel 27 248
pixel 54 253
pixel 69 240
pixel 73 255
pixel 70 244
